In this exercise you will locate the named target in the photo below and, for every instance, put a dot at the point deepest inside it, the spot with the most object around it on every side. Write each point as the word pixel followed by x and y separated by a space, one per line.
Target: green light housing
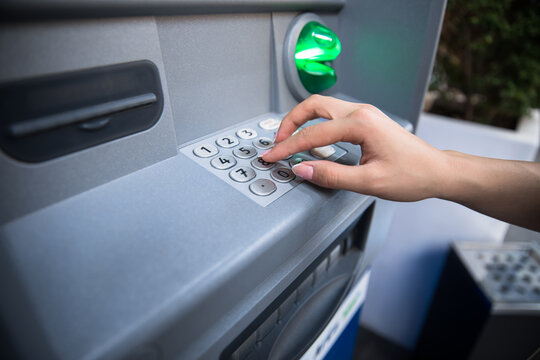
pixel 316 48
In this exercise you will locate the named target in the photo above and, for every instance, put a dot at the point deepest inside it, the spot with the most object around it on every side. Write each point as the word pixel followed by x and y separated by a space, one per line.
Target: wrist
pixel 456 175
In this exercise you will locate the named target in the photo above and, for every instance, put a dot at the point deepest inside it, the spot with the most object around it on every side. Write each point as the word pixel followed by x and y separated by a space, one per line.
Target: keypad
pixel 234 156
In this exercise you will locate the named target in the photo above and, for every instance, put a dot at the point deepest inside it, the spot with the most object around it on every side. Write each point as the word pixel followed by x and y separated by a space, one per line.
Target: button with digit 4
pixel 263 143
pixel 260 164
pixel 227 141
pixel 246 133
pixel 283 175
pixel 242 174
pixel 245 152
pixel 262 187
pixel 223 162
pixel 205 150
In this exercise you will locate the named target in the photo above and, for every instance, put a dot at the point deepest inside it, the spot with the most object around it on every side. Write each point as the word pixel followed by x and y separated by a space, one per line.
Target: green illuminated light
pixel 316 47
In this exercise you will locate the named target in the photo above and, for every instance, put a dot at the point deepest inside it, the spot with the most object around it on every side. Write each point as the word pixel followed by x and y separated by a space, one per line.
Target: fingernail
pixel 266 152
pixel 275 137
pixel 304 171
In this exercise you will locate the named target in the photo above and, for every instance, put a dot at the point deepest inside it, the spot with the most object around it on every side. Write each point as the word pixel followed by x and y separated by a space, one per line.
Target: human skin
pixel 397 165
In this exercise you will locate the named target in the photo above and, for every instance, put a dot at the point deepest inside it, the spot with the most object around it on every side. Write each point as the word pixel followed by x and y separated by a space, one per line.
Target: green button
pixel 316 48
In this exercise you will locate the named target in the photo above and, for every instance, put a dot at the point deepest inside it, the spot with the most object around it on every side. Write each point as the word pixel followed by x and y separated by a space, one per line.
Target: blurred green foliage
pixel 488 62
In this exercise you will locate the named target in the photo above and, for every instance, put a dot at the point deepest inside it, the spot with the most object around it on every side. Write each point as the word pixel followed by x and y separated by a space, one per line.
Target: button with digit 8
pixel 260 164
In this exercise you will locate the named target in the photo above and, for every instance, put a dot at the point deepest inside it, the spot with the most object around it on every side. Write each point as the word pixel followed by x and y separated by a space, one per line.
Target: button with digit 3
pixel 227 141
pixel 260 164
pixel 262 187
pixel 246 133
pixel 205 150
pixel 263 143
pixel 283 175
pixel 242 174
pixel 223 162
pixel 245 152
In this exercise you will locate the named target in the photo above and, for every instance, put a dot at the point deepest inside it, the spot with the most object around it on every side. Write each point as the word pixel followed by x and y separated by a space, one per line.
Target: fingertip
pixel 303 170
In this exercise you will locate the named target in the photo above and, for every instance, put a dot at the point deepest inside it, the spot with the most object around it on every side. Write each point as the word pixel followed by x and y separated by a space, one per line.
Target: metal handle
pixel 32 126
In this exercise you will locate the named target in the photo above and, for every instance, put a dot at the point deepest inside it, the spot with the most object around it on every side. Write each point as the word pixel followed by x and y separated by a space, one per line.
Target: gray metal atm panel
pixel 388 52
pixel 51 47
pixel 218 70
pixel 126 261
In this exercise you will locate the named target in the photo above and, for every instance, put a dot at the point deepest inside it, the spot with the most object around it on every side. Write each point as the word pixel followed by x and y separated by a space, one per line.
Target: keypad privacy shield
pixel 234 157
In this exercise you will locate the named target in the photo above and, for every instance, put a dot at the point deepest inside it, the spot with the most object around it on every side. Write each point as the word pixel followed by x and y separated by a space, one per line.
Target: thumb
pixel 331 175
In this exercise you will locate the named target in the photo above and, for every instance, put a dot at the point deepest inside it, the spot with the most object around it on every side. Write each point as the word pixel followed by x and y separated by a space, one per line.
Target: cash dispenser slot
pixel 50 116
pixel 287 327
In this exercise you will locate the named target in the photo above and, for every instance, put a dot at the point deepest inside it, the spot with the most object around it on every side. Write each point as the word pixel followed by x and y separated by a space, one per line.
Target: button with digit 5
pixel 245 152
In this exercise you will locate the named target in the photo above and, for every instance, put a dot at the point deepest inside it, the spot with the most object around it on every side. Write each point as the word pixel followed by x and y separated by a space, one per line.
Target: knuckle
pixel 328 177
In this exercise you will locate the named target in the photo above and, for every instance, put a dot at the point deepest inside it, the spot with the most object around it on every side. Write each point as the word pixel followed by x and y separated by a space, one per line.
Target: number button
pixel 283 175
pixel 246 133
pixel 228 141
pixel 262 187
pixel 245 152
pixel 223 162
pixel 242 174
pixel 205 150
pixel 263 143
pixel 260 164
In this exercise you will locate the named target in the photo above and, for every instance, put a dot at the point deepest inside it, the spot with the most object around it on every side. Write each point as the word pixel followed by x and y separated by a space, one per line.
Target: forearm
pixel 503 189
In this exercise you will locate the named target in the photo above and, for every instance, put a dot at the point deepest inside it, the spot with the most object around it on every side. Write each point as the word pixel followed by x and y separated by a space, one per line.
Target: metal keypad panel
pixel 507 275
pixel 234 156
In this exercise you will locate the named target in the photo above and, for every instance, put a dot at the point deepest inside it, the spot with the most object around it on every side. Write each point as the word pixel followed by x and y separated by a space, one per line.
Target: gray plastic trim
pixel 13 10
pixel 289 66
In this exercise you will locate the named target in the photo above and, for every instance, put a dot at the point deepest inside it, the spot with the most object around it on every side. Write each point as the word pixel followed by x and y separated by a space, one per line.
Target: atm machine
pixel 136 220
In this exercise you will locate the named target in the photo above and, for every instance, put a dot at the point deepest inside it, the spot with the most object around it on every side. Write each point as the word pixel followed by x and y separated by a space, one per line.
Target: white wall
pixel 406 271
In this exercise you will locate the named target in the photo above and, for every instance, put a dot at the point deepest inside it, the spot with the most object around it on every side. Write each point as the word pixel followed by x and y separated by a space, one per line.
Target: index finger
pixel 315 106
pixel 325 133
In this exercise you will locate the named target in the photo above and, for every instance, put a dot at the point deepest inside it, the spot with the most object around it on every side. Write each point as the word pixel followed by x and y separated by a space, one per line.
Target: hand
pixel 395 164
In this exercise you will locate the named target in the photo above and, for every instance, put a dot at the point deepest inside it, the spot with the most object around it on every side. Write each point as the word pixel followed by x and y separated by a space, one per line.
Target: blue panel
pixel 344 347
